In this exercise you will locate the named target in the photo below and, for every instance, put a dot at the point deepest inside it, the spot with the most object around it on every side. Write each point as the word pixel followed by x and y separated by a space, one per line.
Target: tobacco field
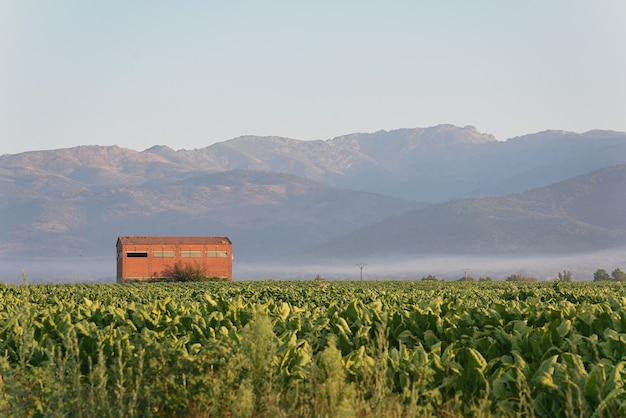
pixel 313 348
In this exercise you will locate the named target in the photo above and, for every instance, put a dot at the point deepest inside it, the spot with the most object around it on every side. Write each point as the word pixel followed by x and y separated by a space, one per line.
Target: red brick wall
pixel 155 266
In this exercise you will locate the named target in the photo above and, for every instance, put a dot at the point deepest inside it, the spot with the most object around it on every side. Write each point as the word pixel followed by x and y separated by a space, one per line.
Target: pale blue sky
pixel 190 73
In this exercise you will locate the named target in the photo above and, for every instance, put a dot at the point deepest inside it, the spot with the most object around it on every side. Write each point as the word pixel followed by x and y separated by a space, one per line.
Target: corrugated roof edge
pixel 174 240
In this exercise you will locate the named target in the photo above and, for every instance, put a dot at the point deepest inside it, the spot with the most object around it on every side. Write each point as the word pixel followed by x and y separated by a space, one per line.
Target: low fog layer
pixel 39 270
pixel 102 269
pixel 582 267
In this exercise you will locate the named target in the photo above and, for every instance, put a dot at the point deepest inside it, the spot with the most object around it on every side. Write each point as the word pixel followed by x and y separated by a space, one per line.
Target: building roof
pixel 165 240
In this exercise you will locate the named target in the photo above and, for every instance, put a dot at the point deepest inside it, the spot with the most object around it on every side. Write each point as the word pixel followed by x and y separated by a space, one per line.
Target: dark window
pixel 137 254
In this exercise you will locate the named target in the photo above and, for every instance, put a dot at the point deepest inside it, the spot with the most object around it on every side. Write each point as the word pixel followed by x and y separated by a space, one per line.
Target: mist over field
pixel 445 267
pixel 41 270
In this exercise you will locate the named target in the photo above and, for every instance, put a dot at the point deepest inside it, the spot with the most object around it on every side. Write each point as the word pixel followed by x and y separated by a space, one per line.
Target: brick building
pixel 140 258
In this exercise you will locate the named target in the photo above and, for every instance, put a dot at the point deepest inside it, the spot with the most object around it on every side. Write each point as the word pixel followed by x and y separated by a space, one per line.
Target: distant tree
pixel 601 275
pixel 618 275
pixel 485 279
pixel 516 277
pixel 565 276
pixel 430 277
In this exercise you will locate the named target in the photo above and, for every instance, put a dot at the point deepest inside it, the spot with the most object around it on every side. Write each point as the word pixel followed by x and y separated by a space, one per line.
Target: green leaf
pixel 544 375
pixel 564 328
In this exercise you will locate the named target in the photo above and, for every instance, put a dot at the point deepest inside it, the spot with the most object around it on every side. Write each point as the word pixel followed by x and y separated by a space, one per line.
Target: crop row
pixel 313 348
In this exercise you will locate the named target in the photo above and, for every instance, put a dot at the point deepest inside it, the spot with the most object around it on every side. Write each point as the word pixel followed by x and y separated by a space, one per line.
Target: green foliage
pixel 188 273
pixel 256 361
pixel 516 277
pixel 565 276
pixel 618 275
pixel 601 275
pixel 182 273
pixel 266 349
pixel 333 395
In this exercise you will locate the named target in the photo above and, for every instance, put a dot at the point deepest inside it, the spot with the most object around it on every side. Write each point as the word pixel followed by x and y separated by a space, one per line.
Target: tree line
pixel 616 275
pixel 600 275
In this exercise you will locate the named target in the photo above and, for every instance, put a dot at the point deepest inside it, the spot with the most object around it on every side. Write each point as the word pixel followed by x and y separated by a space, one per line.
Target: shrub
pixel 183 273
pixel 516 277
pixel 189 273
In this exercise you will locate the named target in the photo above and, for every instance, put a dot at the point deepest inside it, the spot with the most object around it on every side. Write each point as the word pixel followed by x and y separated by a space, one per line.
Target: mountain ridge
pixel 278 197
pixel 423 164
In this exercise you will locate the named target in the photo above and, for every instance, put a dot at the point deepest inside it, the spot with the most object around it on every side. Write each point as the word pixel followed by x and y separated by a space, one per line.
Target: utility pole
pixel 361 265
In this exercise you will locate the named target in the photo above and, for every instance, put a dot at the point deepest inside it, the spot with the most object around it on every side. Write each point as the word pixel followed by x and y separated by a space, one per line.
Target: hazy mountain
pixel 265 213
pixel 423 164
pixel 584 213
pixel 277 196
pixel 430 164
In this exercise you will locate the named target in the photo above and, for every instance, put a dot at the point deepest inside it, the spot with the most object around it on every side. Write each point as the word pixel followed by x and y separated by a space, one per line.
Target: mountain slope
pixel 585 213
pixel 266 214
